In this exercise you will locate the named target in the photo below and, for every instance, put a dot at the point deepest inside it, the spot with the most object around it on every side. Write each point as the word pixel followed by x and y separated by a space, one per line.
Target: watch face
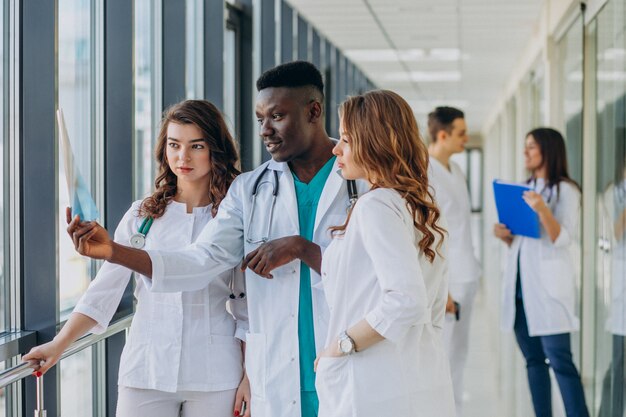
pixel 346 345
pixel 137 241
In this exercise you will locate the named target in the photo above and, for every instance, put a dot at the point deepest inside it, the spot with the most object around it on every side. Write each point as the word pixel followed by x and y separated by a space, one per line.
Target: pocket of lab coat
pixel 335 386
pixel 256 363
pixel 557 278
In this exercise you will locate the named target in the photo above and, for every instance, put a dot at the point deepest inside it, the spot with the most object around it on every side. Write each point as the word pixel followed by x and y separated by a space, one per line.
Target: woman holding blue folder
pixel 539 294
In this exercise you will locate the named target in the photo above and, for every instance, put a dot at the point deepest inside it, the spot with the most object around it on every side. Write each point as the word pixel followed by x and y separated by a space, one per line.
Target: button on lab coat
pixel 548 269
pixel 377 272
pixel 272 342
pixel 181 341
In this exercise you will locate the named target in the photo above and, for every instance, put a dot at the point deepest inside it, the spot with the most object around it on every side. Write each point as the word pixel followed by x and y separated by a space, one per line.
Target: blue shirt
pixel 308 196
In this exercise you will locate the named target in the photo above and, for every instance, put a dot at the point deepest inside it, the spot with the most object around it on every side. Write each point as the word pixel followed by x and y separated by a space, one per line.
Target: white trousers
pixel 456 336
pixel 136 402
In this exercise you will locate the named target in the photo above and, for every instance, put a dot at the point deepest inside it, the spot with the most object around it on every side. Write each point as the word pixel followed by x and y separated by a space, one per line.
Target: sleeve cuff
pixel 156 283
pixel 101 321
pixel 384 327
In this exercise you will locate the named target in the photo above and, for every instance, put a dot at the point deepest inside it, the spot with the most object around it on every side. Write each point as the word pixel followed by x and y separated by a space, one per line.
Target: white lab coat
pixel 182 341
pixel 450 191
pixel 547 269
pixel 377 272
pixel 272 344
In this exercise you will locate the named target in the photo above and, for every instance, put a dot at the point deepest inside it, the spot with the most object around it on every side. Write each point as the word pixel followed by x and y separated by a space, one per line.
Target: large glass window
pixel 76 96
pixel 145 97
pixel 76 385
pixel 194 55
pixel 570 59
pixel 3 406
pixel 3 212
pixel 610 79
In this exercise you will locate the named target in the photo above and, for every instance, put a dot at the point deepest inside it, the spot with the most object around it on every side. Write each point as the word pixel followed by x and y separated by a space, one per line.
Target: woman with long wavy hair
pixel 183 355
pixel 384 274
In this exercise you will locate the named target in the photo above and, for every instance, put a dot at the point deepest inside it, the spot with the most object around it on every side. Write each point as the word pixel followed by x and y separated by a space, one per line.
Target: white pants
pixel 456 336
pixel 136 402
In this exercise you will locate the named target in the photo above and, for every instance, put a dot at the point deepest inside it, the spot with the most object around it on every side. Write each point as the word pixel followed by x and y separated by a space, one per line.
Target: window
pixel 146 117
pixel 3 406
pixel 610 299
pixel 76 385
pixel 3 211
pixel 570 59
pixel 194 56
pixel 77 97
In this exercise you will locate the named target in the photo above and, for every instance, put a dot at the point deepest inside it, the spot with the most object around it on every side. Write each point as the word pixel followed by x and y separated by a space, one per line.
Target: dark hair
pixel 222 153
pixel 554 156
pixel 292 75
pixel 441 119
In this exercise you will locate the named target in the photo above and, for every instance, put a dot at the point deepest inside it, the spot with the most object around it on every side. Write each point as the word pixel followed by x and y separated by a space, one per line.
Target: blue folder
pixel 513 211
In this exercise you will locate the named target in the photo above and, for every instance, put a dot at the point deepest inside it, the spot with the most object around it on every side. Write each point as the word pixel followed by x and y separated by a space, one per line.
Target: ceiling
pixel 445 52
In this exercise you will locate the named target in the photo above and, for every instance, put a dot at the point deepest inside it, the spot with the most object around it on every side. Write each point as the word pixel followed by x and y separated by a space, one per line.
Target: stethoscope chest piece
pixel 138 240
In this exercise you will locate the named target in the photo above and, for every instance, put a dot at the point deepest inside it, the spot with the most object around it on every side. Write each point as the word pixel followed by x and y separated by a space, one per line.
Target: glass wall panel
pixel 3 136
pixel 610 78
pixel 76 85
pixel 145 123
pixel 76 384
pixel 231 78
pixel 570 59
pixel 194 47
pixel 3 405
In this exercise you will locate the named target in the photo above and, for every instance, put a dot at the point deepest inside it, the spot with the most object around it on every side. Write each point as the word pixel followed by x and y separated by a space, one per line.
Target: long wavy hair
pixel 385 141
pixel 223 155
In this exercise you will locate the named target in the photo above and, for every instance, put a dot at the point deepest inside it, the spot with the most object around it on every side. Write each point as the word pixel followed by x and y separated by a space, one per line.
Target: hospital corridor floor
pixel 481 397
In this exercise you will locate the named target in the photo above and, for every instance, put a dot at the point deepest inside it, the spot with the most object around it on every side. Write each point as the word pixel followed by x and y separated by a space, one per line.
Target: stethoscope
pixel 231 286
pixel 353 196
pixel 255 190
pixel 138 240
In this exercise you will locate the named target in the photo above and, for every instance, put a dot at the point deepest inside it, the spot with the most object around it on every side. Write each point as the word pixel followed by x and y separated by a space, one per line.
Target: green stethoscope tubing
pixel 146 225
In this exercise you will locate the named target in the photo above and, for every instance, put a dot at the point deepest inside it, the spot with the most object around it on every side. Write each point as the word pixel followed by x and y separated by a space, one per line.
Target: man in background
pixel 448 134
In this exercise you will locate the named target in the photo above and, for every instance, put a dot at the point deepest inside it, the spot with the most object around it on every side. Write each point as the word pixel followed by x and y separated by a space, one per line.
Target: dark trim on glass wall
pixel 174 25
pixel 286 32
pixel 38 303
pixel 118 138
pixel 303 39
pixel 267 34
pixel 248 127
pixel 214 26
pixel 316 49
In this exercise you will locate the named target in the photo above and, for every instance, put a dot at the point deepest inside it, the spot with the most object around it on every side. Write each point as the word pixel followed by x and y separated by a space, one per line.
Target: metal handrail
pixel 18 372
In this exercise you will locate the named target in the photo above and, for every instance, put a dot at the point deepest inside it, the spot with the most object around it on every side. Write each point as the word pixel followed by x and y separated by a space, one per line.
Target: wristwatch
pixel 346 344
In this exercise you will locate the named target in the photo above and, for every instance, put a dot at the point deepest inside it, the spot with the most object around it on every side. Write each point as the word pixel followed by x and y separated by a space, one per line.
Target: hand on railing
pixel 47 355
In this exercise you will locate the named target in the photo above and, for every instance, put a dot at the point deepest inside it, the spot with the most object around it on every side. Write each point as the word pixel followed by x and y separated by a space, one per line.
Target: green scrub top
pixel 308 196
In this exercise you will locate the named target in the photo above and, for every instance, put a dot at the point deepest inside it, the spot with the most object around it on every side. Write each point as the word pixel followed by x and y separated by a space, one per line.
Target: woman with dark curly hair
pixel 384 274
pixel 183 353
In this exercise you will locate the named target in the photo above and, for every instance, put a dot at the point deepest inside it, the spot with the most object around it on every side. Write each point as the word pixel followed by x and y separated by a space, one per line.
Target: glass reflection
pixel 611 221
pixel 76 98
